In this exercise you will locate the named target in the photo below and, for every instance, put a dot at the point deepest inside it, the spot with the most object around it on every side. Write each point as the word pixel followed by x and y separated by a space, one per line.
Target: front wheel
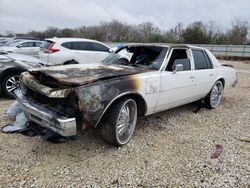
pixel 119 122
pixel 213 99
pixel 10 83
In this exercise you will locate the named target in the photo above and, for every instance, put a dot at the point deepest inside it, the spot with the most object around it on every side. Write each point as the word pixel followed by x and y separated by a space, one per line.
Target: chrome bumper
pixel 45 117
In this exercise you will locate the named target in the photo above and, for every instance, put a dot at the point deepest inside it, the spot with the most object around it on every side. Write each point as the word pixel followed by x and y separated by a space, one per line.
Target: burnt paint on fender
pixel 94 98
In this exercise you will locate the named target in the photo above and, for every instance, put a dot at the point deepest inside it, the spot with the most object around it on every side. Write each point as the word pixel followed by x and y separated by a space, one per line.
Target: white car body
pixel 60 51
pixel 25 47
pixel 153 79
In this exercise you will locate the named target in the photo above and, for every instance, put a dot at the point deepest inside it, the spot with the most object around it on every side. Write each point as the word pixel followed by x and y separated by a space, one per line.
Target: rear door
pixel 27 48
pixel 83 52
pixel 204 72
pixel 37 46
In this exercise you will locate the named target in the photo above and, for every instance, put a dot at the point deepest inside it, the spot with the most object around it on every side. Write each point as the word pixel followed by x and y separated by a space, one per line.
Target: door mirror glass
pixel 177 68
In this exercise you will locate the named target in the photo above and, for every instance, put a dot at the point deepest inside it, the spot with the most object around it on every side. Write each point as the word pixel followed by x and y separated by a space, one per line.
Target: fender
pixel 94 99
pixel 117 98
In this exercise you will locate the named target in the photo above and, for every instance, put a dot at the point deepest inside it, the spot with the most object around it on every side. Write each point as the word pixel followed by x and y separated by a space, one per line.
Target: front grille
pixel 63 106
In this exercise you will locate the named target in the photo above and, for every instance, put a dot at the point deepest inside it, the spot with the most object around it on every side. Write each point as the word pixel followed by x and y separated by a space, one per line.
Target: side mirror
pixel 177 68
pixel 19 46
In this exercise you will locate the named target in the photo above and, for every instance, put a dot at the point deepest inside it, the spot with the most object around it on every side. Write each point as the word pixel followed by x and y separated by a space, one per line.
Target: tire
pixel 70 62
pixel 213 99
pixel 10 83
pixel 121 113
pixel 124 61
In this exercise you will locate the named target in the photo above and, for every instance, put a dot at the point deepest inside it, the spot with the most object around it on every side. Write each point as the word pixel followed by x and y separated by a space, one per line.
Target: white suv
pixel 63 51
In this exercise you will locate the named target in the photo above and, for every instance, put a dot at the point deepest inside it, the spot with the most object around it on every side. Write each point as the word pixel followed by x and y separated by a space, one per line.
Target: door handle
pixel 192 77
pixel 211 74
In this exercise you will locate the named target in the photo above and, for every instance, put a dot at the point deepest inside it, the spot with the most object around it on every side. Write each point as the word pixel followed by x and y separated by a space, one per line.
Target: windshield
pixel 150 57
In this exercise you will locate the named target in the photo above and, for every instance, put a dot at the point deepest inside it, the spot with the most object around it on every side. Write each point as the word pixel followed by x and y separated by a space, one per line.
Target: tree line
pixel 116 31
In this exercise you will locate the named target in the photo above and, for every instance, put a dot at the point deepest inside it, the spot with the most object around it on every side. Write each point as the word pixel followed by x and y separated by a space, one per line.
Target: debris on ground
pixel 168 149
pixel 217 152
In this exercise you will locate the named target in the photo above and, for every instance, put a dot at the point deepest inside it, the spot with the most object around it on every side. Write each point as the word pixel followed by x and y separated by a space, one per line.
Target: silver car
pixel 25 47
pixel 11 66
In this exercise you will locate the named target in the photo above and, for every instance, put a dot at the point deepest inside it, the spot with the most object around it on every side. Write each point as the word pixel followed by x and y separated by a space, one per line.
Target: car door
pixel 27 48
pixel 82 52
pixel 204 73
pixel 176 88
pixel 36 48
pixel 100 52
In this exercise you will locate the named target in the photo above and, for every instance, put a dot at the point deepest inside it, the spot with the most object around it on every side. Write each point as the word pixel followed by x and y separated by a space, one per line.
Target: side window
pixel 100 47
pixel 27 44
pixel 38 44
pixel 82 46
pixel 179 56
pixel 68 45
pixel 208 61
pixel 201 60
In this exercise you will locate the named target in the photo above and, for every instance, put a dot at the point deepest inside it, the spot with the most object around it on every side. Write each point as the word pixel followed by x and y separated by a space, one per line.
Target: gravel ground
pixel 169 149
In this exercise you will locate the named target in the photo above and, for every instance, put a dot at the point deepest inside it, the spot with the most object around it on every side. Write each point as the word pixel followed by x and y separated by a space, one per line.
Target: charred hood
pixel 83 73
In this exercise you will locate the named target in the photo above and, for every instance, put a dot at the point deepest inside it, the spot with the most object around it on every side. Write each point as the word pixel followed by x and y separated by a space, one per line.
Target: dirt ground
pixel 168 149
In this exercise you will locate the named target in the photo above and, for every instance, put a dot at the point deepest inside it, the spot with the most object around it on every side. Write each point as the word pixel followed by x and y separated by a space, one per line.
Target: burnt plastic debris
pixel 217 152
pixel 13 110
pixel 19 125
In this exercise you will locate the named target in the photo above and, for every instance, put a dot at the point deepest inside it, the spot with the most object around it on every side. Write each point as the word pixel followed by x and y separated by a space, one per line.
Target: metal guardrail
pixel 228 50
pixel 217 50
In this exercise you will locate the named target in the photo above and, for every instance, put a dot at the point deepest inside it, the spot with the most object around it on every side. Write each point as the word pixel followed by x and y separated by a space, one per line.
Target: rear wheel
pixel 213 99
pixel 119 122
pixel 10 83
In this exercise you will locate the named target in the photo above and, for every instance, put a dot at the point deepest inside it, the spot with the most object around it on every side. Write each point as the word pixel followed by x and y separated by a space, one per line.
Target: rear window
pixel 201 60
pixel 46 44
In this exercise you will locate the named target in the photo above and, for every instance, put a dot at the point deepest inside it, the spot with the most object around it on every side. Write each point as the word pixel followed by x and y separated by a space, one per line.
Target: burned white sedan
pixel 112 94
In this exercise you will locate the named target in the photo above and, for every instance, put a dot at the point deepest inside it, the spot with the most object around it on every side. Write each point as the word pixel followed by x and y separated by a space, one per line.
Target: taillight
pixel 50 49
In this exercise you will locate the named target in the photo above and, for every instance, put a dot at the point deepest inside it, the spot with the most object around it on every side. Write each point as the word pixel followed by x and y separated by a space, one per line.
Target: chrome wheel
pixel 126 121
pixel 216 94
pixel 12 83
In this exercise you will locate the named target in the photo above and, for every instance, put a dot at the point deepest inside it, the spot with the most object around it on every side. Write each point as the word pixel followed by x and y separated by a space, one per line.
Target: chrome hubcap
pixel 12 83
pixel 126 121
pixel 216 94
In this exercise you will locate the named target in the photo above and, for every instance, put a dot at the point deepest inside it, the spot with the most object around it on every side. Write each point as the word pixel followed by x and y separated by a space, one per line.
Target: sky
pixel 27 15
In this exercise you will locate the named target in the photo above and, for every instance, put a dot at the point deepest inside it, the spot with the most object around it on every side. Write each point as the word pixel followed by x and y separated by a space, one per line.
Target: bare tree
pixel 239 32
pixel 116 31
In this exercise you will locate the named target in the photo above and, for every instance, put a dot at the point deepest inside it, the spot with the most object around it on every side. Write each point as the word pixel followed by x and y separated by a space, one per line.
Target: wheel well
pixel 72 61
pixel 223 81
pixel 10 71
pixel 141 105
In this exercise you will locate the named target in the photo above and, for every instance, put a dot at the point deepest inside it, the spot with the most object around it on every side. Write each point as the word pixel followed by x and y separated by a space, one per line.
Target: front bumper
pixel 46 117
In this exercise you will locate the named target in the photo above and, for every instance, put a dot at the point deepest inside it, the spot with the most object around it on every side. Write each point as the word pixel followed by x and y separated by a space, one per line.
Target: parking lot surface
pixel 168 149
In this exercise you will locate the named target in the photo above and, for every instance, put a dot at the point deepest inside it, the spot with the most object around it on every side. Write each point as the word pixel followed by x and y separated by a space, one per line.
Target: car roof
pixel 55 39
pixel 169 45
pixel 62 40
pixel 30 41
